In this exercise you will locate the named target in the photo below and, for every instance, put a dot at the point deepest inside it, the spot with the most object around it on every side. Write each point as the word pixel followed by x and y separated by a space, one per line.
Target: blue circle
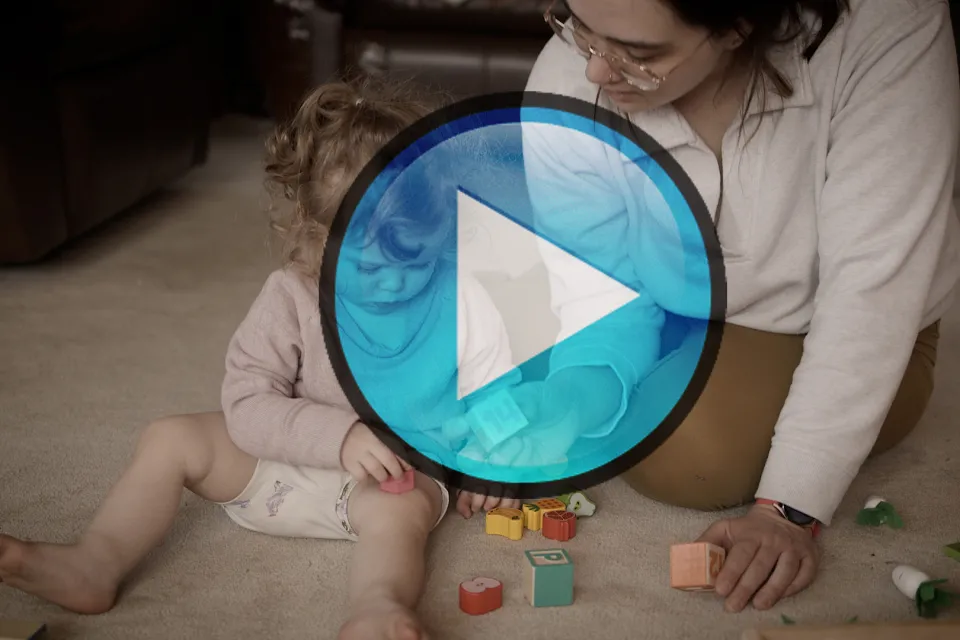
pixel 391 305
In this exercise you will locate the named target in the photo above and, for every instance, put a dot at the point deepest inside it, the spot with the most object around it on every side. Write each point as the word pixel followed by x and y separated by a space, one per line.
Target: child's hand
pixel 469 503
pixel 363 454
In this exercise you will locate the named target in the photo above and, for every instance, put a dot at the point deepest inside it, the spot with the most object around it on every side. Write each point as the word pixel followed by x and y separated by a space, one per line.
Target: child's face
pixel 375 282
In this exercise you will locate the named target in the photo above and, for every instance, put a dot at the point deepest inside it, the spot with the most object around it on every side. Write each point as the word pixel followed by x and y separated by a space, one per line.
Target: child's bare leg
pixel 386 576
pixel 193 451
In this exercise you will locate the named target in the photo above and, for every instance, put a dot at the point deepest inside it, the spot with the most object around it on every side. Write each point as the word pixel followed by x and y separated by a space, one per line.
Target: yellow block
pixel 550 504
pixel 532 517
pixel 505 522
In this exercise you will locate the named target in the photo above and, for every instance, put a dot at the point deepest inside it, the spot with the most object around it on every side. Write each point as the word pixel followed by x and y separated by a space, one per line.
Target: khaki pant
pixel 716 456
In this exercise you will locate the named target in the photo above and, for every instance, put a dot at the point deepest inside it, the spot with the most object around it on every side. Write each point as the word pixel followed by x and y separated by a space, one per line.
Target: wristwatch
pixel 792 515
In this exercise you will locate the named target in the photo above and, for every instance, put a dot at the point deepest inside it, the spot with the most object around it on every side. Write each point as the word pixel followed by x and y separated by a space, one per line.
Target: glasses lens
pixel 570 36
pixel 638 78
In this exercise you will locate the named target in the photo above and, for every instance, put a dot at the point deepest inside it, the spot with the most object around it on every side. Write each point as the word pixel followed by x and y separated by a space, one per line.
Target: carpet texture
pixel 131 324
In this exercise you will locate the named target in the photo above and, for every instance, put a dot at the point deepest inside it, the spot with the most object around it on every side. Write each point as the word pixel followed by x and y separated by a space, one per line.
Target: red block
pixel 559 525
pixel 480 596
pixel 404 484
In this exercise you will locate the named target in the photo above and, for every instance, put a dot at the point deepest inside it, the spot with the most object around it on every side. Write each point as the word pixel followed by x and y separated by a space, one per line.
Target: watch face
pixel 796 516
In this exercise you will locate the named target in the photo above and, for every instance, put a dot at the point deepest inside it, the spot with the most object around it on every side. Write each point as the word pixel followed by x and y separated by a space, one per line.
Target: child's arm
pixel 262 365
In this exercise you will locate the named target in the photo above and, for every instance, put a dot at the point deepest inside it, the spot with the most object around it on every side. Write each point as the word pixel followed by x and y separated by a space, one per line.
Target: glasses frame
pixel 616 62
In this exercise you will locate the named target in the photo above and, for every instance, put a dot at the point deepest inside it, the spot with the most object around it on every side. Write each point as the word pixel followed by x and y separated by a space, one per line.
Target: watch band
pixel 793 516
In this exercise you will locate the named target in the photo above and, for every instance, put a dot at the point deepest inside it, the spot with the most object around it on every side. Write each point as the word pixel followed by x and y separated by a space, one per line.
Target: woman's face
pixel 648 31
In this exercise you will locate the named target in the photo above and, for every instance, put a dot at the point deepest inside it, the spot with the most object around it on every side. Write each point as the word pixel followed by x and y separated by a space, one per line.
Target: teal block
pixel 548 578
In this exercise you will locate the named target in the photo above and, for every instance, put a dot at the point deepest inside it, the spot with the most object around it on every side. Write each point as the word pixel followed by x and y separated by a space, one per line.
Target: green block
pixel 548 578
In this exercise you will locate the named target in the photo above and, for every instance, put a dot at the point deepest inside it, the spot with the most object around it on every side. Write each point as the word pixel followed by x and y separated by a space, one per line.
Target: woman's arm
pixel 883 221
pixel 262 364
pixel 578 207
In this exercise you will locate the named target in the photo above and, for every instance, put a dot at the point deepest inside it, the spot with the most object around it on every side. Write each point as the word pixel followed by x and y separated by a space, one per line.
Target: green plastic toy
pixel 877 512
pixel 926 594
pixel 952 551
pixel 578 503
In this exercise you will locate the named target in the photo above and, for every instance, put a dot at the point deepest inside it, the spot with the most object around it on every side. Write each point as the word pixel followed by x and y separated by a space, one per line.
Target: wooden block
pixel 548 578
pixel 21 630
pixel 532 517
pixel 505 522
pixel 550 504
pixel 559 525
pixel 695 566
pixel 496 418
pixel 401 485
pixel 480 596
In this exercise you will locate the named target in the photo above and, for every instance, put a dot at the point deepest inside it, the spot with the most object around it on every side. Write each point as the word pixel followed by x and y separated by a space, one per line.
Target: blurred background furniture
pixel 104 102
pixel 465 47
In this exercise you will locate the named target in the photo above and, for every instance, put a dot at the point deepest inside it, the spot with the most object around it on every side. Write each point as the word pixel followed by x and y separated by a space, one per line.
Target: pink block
pixel 404 484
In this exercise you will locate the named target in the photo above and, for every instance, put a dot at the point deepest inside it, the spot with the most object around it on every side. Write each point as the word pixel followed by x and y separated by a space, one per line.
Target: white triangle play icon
pixel 493 248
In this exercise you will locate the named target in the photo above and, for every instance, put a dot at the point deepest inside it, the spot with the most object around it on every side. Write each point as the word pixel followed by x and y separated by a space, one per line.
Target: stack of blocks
pixel 549 516
pixel 548 578
pixel 548 573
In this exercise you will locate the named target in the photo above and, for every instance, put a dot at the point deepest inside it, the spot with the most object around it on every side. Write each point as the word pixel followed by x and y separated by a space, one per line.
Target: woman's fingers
pixel 507 452
pixel 528 397
pixel 736 563
pixel 455 429
pixel 776 586
pixel 806 572
pixel 753 578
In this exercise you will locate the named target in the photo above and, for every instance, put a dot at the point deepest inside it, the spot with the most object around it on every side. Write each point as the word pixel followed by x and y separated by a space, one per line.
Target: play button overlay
pixel 522 295
pixel 582 278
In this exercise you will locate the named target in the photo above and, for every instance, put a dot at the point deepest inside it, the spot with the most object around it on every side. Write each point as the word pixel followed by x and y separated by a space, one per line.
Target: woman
pixel 822 137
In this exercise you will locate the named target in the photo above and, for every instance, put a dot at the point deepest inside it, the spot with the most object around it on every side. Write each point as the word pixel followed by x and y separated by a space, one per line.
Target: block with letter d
pixel 548 578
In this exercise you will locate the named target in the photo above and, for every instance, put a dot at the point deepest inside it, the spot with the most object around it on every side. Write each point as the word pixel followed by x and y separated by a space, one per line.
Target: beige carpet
pixel 131 324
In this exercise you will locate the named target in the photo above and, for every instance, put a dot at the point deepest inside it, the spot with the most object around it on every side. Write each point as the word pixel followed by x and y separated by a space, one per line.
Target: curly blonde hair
pixel 313 159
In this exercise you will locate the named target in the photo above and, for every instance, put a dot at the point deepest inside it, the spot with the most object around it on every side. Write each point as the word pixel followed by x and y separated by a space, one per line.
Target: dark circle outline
pixel 505 101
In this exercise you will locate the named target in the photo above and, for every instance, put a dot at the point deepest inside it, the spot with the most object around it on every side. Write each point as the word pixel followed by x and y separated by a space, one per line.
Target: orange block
pixel 404 484
pixel 559 525
pixel 695 566
pixel 480 596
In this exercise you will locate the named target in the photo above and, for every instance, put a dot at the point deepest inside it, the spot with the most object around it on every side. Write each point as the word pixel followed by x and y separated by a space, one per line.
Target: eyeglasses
pixel 636 74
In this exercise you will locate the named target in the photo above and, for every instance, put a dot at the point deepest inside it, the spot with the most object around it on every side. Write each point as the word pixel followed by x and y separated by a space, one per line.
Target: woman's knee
pixel 698 479
pixel 715 457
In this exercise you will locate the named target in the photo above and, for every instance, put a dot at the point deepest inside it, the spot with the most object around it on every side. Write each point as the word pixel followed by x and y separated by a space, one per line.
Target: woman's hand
pixel 768 558
pixel 571 402
pixel 363 454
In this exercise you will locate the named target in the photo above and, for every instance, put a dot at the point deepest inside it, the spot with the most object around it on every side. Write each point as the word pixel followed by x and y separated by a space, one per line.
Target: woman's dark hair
pixel 763 25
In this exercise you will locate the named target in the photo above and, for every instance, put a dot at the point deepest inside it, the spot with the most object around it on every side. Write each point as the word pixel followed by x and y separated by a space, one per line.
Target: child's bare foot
pixel 382 621
pixel 67 575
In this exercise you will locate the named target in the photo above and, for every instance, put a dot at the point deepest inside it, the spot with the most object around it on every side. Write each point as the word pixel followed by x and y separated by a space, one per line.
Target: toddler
pixel 288 455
